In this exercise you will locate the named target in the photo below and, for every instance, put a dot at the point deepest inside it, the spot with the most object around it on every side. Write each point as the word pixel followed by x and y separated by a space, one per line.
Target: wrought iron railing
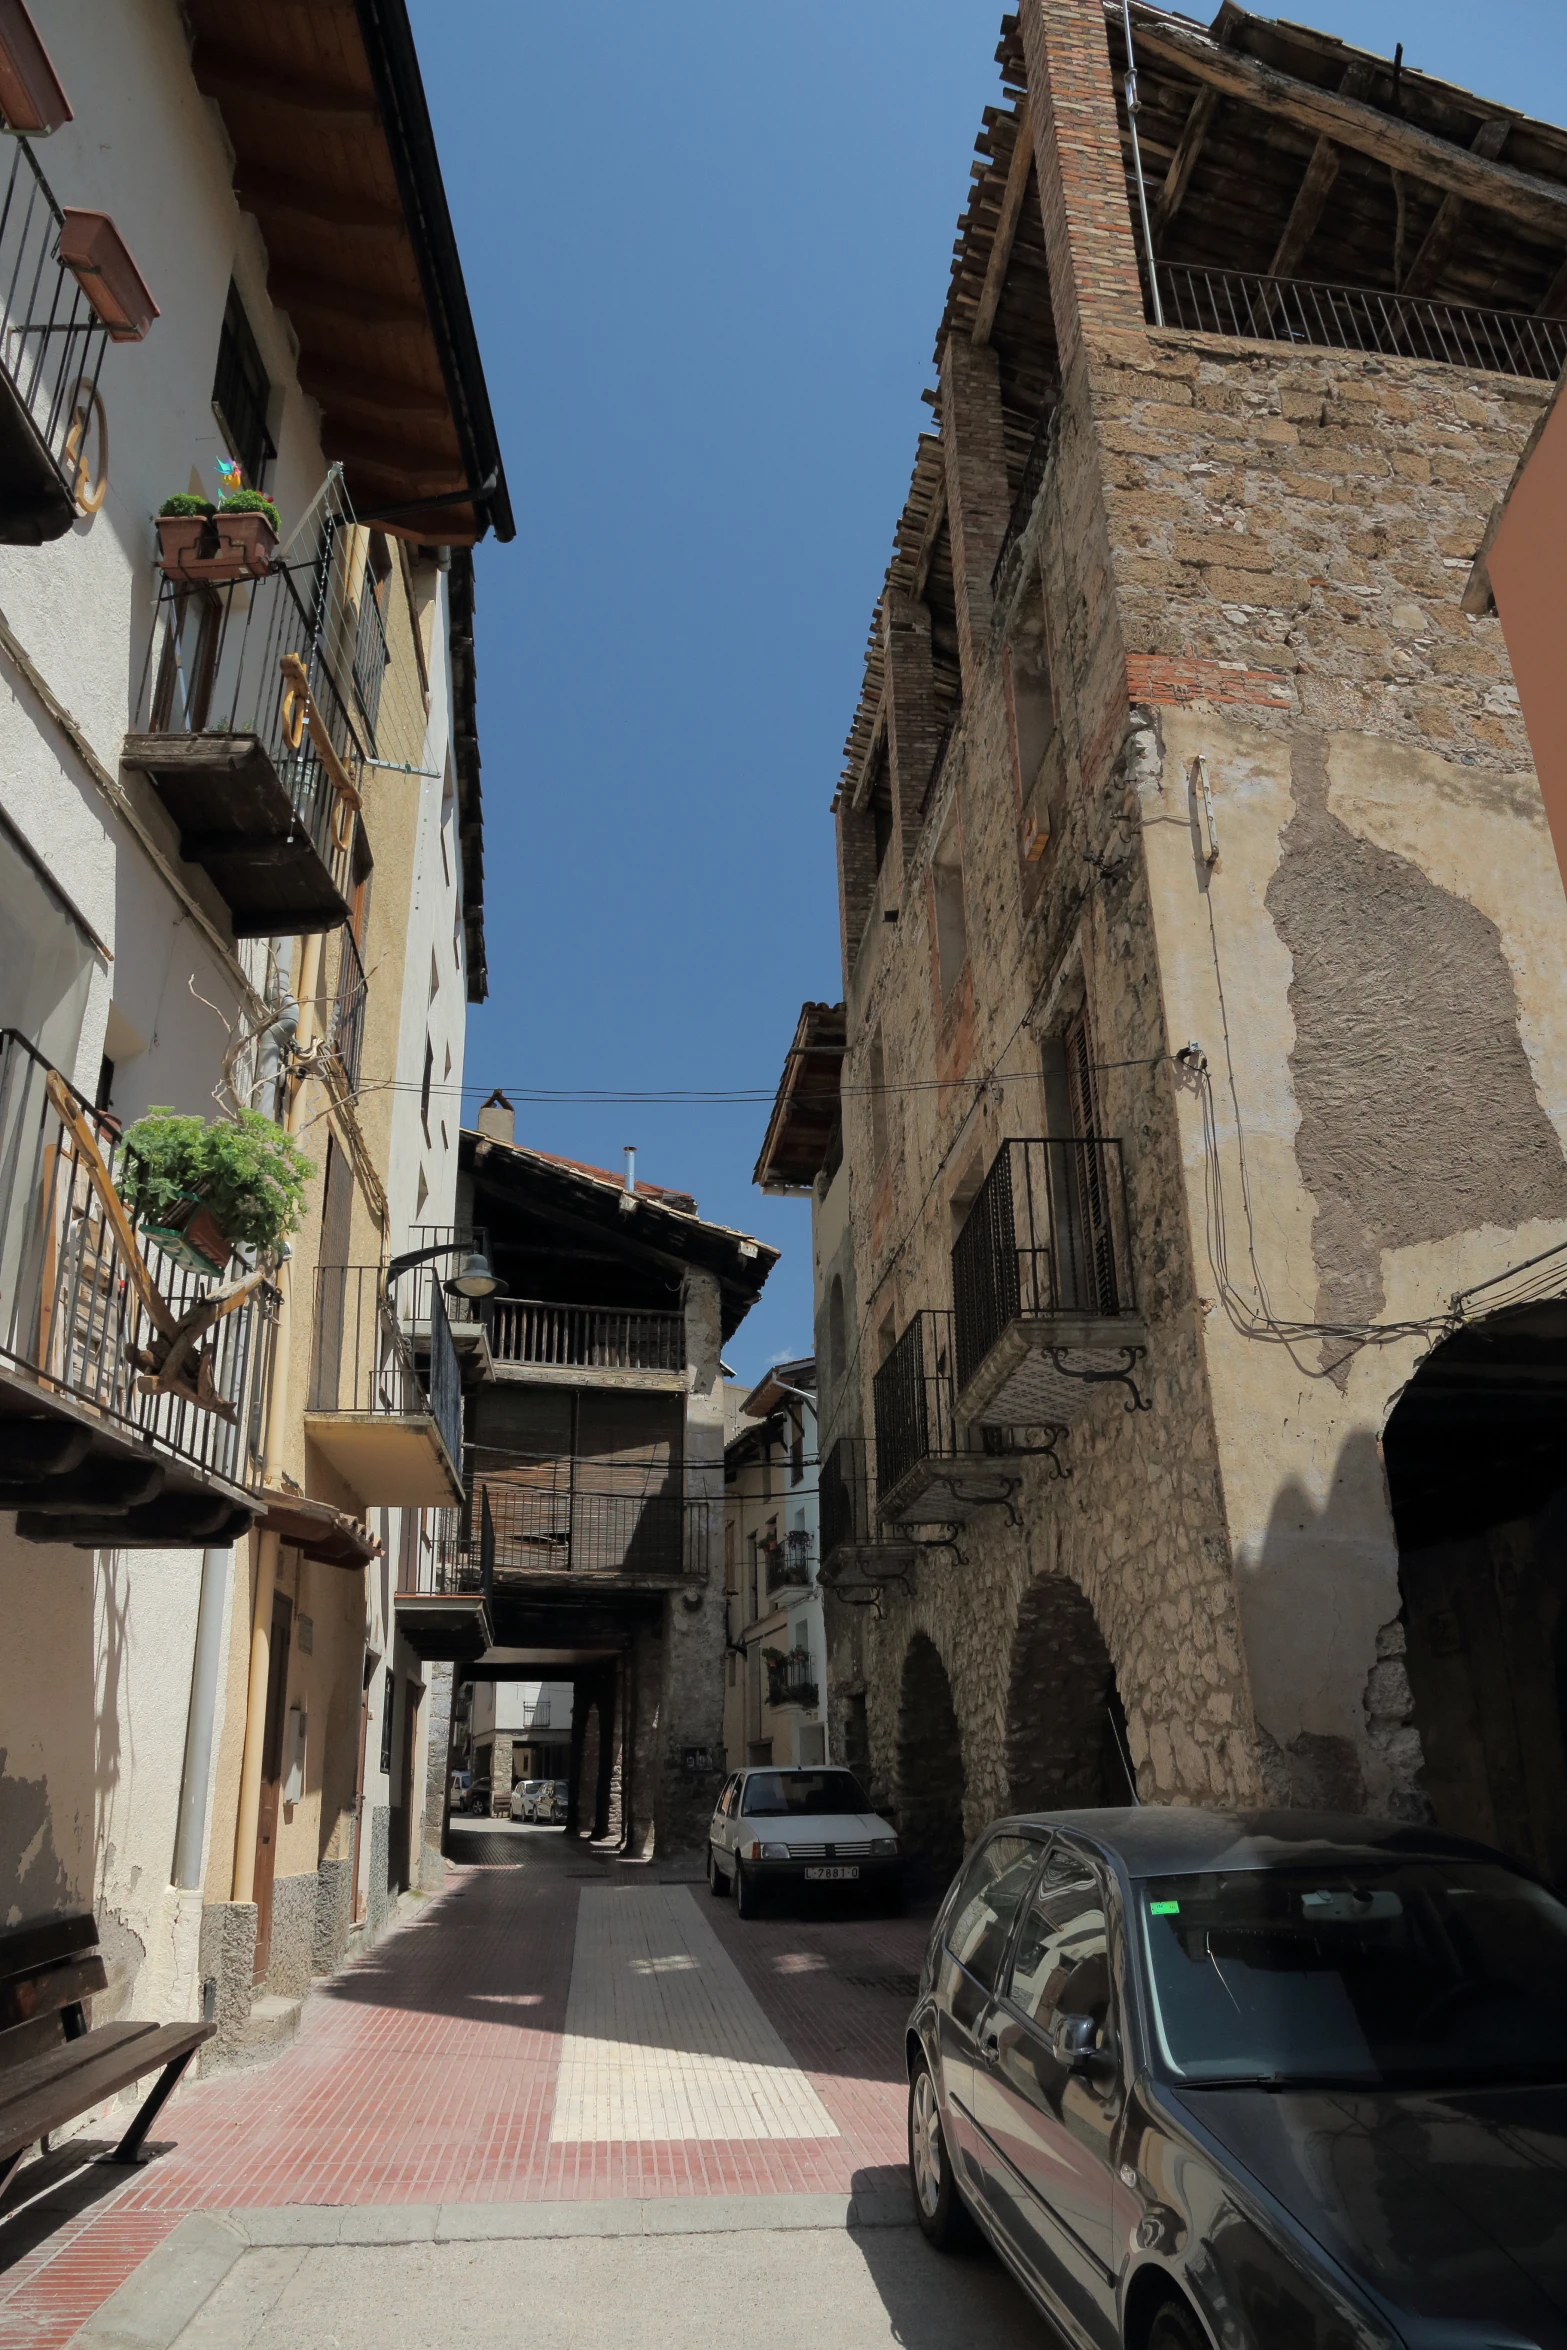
pixel 791 1679
pixel 1047 1234
pixel 1356 318
pixel 912 1396
pixel 53 341
pixel 845 1509
pixel 414 1286
pixel 71 1320
pixel 363 1361
pixel 587 1338
pixel 247 657
pixel 788 1560
pixel 348 1008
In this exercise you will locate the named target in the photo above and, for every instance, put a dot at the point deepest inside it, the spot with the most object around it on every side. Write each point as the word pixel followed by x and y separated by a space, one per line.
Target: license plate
pixel 814 1876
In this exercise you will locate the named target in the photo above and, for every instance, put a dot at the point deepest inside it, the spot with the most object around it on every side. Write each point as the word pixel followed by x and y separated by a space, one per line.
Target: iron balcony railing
pixel 912 1396
pixel 363 1361
pixel 72 1322
pixel 348 1008
pixel 788 1561
pixel 586 1338
pixel 845 1511
pixel 1046 1235
pixel 791 1680
pixel 53 341
pixel 548 1519
pixel 246 657
pixel 1356 318
pixel 414 1286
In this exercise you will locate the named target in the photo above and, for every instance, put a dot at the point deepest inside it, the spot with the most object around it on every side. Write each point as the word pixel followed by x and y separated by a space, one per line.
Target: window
pixel 424 1088
pixel 1061 1965
pixel 1031 714
pixel 987 1901
pixel 240 395
pixel 946 884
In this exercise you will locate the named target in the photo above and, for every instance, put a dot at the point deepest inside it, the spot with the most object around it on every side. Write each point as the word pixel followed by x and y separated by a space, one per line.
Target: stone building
pixel 1194 1348
pixel 775 1692
pixel 589 1548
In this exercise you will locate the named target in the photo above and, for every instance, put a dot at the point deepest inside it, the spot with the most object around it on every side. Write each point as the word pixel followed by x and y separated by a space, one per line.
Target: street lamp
pixel 473 1280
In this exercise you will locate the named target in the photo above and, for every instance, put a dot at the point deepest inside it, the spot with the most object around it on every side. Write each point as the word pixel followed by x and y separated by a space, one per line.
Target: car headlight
pixel 885 1847
pixel 770 1851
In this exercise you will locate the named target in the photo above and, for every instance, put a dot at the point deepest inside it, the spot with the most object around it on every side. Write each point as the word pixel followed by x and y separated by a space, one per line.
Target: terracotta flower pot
pixel 193 1237
pixel 97 256
pixel 215 546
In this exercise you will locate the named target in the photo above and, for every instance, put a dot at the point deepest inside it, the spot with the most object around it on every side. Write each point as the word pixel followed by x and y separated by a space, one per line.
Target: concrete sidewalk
pixel 810 2269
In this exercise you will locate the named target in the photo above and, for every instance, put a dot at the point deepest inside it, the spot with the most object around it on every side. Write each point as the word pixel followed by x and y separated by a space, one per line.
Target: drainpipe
pixel 190 1832
pixel 248 1823
pixel 630 1184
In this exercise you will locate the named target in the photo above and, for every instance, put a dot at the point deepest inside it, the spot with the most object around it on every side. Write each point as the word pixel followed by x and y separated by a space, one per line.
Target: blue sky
pixel 707 248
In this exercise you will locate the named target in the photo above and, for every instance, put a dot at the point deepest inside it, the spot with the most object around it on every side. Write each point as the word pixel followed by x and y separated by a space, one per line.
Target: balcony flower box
pixel 219 543
pixel 191 1234
pixel 97 256
pixel 198 1190
pixel 31 97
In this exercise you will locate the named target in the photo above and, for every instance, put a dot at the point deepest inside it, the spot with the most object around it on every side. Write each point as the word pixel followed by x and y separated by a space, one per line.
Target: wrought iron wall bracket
pixel 1001 1495
pixel 1122 1378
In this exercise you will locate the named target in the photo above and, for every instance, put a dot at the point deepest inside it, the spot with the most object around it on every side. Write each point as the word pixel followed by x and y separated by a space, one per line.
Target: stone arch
pixel 1066 1728
pixel 930 1767
pixel 1468 1696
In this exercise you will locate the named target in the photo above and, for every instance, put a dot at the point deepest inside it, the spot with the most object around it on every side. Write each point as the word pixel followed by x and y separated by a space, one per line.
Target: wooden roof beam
pixel 383 396
pixel 1535 203
pixel 1428 264
pixel 1312 195
pixel 1553 302
pixel 334 300
pixel 316 204
pixel 1006 229
pixel 1189 146
pixel 234 79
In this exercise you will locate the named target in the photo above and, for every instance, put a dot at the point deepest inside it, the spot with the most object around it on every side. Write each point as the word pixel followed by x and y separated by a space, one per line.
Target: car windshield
pixel 784 1795
pixel 1414 1971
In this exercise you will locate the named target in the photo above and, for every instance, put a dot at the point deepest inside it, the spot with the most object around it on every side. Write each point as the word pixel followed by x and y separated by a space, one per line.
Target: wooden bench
pixel 53 2065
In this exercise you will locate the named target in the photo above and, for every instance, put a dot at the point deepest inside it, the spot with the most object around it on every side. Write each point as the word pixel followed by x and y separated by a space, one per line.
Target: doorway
pixel 271 1779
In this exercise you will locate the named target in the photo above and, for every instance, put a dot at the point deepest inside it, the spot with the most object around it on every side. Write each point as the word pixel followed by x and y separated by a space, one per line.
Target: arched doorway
pixel 1066 1730
pixel 930 1768
pixel 1476 1457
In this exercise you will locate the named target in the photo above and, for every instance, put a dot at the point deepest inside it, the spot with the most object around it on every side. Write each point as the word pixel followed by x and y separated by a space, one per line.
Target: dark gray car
pixel 1282 2079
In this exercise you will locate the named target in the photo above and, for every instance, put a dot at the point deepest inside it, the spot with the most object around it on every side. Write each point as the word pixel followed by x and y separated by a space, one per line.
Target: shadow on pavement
pixel 62 2186
pixel 918 2286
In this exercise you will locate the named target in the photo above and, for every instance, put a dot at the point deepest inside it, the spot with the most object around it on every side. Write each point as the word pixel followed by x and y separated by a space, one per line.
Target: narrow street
pixel 557 2055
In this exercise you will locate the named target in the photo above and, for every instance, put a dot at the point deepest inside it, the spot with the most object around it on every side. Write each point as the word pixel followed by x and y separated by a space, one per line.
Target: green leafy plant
pixel 251 502
pixel 186 503
pixel 247 1171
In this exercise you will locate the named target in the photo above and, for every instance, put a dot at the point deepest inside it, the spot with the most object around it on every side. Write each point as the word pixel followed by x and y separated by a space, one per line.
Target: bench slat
pixel 46 1939
pixel 58 2062
pixel 47 1989
pixel 76 2085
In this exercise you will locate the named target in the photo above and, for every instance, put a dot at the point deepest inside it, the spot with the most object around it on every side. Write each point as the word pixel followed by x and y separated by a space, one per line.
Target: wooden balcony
pixel 586 1346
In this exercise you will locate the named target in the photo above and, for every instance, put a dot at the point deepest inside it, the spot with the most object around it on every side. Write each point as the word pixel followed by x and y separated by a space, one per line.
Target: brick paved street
pixel 557 2032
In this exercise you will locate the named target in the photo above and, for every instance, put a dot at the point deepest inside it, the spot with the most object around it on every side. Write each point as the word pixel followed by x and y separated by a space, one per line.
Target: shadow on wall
pixel 930 1770
pixel 1066 1727
pixel 50 1794
pixel 1320 1612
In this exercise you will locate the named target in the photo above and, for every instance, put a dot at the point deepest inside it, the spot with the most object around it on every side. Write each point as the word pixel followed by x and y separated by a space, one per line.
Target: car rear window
pixel 784 1795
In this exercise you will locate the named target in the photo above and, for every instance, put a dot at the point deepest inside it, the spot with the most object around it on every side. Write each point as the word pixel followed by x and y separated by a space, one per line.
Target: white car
pixel 525 1798
pixel 805 1824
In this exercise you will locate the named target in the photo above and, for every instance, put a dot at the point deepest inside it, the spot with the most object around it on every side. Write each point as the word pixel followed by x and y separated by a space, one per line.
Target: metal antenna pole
pixel 1137 163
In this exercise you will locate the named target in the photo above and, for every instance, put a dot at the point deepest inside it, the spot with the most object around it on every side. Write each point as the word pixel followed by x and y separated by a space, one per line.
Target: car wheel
pixel 748 1897
pixel 1174 2328
pixel 940 2210
pixel 717 1882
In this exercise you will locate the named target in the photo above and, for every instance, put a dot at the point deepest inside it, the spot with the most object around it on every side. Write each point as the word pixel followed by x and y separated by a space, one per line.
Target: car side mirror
pixel 1072 2041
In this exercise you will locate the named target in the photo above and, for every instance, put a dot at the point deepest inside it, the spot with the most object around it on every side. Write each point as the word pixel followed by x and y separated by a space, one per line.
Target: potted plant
pixel 199 1188
pixel 234 539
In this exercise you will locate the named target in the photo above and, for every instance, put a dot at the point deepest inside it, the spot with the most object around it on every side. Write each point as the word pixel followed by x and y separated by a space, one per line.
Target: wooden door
pixel 271 1779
